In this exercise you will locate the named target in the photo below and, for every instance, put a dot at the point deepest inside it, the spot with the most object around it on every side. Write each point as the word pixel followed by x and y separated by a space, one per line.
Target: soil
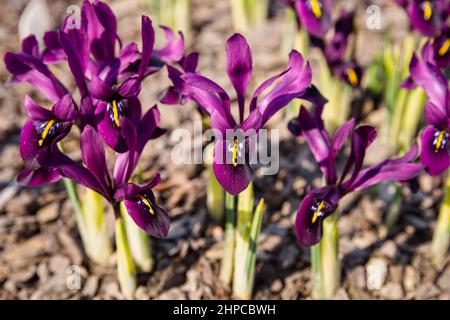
pixel 39 238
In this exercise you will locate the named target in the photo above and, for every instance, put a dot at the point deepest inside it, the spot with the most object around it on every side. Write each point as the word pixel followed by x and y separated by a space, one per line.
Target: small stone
pixel 90 287
pixel 392 291
pixel 48 213
pixel 356 277
pixel 426 291
pixel 376 272
pixel 73 249
pixel 270 242
pixel 410 278
pixel 42 272
pixel 58 264
pixel 23 276
pixel 426 183
pixel 172 294
pixel 389 249
pixel 276 286
pixel 396 273
pixel 444 280
pixel 215 252
pixel 341 294
pixel 142 293
pixel 217 233
pixel 286 209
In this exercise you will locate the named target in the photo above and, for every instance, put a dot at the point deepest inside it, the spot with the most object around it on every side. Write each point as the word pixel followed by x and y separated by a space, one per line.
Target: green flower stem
pixel 243 227
pixel 214 197
pixel 89 215
pixel 174 14
pixel 75 201
pixel 441 235
pixel 98 247
pixel 394 210
pixel 325 267
pixel 138 241
pixel 226 271
pixel 251 251
pixel 239 15
pixel 258 11
pixel 411 118
pixel 126 272
pixel 214 192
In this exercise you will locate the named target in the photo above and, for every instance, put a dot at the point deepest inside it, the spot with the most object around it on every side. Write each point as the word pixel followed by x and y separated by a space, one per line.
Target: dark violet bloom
pixel 114 104
pixel 43 128
pixel 437 51
pixel 322 202
pixel 315 16
pixel 94 174
pixel 108 76
pixel 335 50
pixel 231 152
pixel 349 72
pixel 428 17
pixel 435 137
pixel 142 207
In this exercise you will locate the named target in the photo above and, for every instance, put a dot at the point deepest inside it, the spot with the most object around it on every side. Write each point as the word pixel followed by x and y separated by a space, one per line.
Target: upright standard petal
pixel 148 42
pixel 311 129
pixel 239 67
pixel 293 84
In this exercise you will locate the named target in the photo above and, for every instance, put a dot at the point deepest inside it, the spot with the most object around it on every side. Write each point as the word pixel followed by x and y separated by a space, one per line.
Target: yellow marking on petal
pixel 115 113
pixel 235 150
pixel 444 49
pixel 147 203
pixel 44 134
pixel 439 141
pixel 315 6
pixel 352 77
pixel 318 211
pixel 427 10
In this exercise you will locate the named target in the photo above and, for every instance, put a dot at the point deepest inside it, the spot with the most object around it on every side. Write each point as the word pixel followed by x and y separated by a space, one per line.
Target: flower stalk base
pixel 325 266
pixel 139 243
pixel 441 235
pixel 125 266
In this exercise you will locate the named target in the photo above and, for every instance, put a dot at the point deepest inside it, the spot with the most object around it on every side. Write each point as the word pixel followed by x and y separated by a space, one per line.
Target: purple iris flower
pixel 232 145
pixel 109 111
pixel 94 174
pixel 435 137
pixel 40 131
pixel 437 51
pixel 315 16
pixel 427 17
pixel 322 202
pixel 335 48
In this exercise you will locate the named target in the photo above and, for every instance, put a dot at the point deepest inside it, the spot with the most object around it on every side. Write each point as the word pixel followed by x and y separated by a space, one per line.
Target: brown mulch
pixel 39 239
